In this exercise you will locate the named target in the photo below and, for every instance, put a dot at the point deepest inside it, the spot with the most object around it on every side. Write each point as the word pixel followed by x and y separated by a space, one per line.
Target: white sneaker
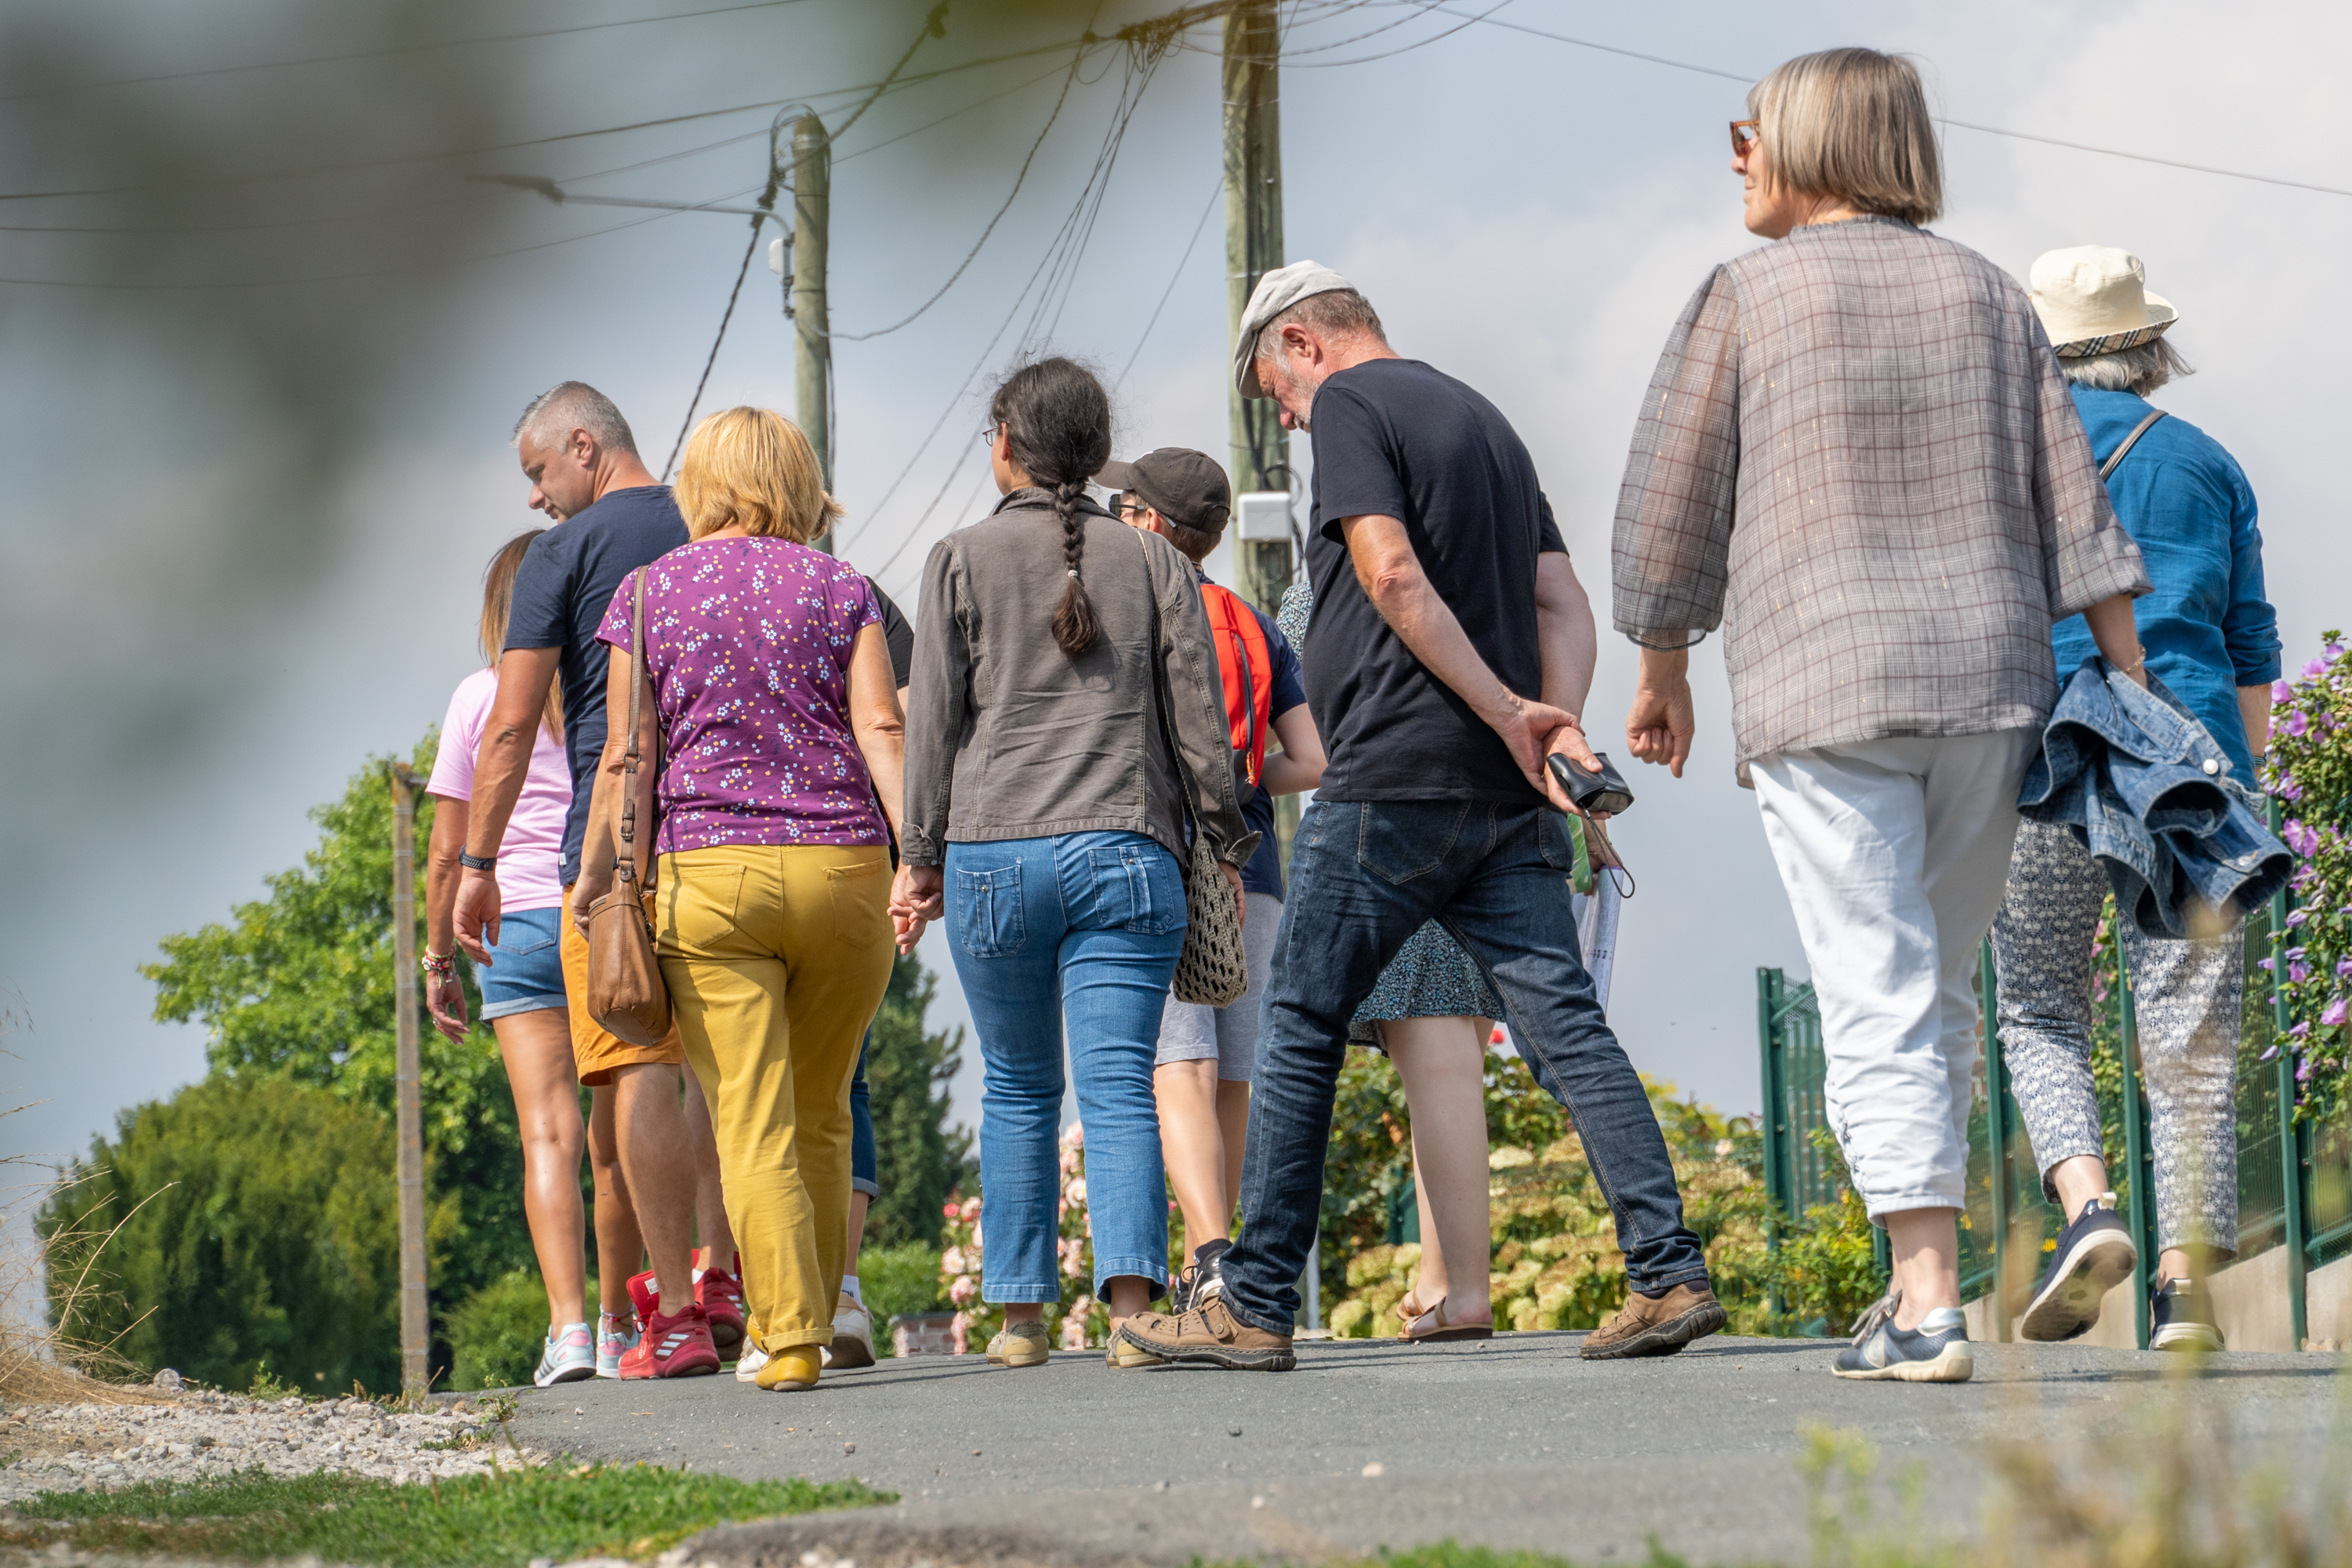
pixel 748 1364
pixel 852 1335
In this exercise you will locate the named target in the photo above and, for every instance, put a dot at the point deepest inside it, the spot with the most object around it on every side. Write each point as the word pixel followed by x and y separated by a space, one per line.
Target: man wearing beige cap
pixel 2211 638
pixel 1451 649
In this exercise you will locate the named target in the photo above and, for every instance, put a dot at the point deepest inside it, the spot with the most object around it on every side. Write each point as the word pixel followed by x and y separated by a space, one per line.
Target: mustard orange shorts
pixel 594 1050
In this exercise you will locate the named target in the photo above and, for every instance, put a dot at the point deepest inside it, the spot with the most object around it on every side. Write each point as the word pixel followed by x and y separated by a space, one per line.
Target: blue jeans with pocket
pixel 1365 876
pixel 1081 930
pixel 865 1169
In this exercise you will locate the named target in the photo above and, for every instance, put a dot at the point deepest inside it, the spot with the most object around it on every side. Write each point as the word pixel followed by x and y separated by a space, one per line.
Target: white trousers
pixel 1895 854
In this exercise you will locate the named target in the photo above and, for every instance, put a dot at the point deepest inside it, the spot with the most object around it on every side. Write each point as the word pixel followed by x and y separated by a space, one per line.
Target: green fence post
pixel 2295 1165
pixel 1774 1122
pixel 1996 1130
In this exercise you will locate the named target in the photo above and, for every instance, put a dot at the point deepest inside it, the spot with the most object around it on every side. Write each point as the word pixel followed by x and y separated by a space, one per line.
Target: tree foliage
pixel 2309 769
pixel 908 1070
pixel 299 983
pixel 258 1225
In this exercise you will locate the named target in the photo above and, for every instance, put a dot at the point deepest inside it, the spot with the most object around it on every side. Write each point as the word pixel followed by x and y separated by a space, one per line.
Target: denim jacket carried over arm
pixel 2154 798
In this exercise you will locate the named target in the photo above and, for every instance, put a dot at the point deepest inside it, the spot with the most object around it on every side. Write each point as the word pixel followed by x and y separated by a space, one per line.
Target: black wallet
pixel 1604 791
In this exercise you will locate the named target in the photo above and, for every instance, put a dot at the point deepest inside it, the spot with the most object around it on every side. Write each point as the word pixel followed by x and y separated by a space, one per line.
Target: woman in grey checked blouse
pixel 1857 456
pixel 1431 1013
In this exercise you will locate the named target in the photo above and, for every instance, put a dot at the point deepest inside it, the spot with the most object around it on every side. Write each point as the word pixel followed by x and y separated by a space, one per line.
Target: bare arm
pixel 2117 634
pixel 1300 764
pixel 1564 628
pixel 500 766
pixel 1392 579
pixel 2254 708
pixel 601 847
pixel 875 719
pixel 444 998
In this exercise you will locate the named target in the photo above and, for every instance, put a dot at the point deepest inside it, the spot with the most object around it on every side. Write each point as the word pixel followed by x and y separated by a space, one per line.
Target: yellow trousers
pixel 776 958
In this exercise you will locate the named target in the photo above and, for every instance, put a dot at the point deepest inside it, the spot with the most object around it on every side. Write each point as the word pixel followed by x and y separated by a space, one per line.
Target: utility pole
pixel 416 1377
pixel 1260 447
pixel 812 364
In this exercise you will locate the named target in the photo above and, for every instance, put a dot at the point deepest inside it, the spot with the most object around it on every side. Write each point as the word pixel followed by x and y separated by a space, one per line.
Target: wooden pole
pixel 811 222
pixel 416 1377
pixel 1260 447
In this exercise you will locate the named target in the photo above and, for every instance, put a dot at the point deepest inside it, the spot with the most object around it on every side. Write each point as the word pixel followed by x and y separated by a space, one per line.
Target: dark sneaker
pixel 1655 1325
pixel 1201 1283
pixel 1935 1352
pixel 2091 1256
pixel 1209 1336
pixel 2182 1319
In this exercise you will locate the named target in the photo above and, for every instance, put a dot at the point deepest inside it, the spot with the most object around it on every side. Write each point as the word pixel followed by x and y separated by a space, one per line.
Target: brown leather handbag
pixel 625 993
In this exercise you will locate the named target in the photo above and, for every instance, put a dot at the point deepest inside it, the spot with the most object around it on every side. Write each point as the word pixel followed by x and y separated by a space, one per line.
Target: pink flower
pixel 2281 692
pixel 970 1213
pixel 1073 1332
pixel 1076 1137
pixel 2268 1054
pixel 948 1210
pixel 963 1289
pixel 2343 969
pixel 960 1334
pixel 2296 974
pixel 1077 1190
pixel 2335 1013
pixel 2297 917
pixel 952 1260
pixel 2297 724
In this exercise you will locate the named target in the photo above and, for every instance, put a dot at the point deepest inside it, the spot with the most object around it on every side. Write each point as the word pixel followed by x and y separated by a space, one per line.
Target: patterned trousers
pixel 2186 997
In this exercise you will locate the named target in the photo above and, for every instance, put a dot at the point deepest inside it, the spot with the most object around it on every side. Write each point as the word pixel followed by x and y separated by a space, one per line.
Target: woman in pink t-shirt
pixel 523 985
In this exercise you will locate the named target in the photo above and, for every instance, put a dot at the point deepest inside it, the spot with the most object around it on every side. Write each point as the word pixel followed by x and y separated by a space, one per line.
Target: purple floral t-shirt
pixel 749 643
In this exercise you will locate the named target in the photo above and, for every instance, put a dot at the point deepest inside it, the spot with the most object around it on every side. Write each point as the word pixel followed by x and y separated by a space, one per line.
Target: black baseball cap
pixel 1185 487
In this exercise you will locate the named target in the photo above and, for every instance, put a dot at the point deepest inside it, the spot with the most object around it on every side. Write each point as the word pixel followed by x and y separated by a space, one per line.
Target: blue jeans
pixel 1364 876
pixel 865 1175
pixel 1084 928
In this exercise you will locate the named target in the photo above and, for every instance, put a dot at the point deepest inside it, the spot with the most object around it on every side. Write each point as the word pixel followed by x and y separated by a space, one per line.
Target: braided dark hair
pixel 1057 417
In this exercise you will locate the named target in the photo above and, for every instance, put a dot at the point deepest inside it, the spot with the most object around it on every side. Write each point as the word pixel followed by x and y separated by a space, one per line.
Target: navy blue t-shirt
pixel 1396 437
pixel 561 593
pixel 1263 872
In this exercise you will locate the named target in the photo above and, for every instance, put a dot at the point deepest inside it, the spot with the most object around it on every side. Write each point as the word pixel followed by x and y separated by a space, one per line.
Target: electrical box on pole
pixel 812 361
pixel 1260 447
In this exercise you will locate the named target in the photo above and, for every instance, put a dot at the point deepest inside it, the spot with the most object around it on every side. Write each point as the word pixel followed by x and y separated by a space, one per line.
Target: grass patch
pixel 619 1510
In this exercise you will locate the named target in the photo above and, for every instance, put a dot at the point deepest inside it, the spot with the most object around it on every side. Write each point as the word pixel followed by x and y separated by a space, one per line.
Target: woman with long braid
pixel 1062 662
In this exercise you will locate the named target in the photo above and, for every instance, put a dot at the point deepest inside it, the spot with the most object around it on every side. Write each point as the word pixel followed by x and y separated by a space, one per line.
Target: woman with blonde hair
pixel 1858 456
pixel 523 990
pixel 776 721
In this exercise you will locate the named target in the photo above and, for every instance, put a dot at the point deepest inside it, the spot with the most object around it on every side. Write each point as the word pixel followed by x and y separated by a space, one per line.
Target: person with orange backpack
pixel 1200 1077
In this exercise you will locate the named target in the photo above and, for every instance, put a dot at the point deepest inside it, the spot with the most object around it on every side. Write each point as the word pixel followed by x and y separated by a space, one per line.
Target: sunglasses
pixel 1743 136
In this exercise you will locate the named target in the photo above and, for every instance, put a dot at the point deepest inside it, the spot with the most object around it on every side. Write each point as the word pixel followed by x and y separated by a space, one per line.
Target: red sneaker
pixel 720 1296
pixel 645 1294
pixel 672 1347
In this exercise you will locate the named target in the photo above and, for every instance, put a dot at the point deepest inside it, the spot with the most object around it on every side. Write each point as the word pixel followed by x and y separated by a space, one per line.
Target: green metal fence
pixel 2294 1181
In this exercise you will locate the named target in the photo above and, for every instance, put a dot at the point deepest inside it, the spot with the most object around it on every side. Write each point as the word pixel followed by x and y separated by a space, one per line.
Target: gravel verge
pixel 195 1435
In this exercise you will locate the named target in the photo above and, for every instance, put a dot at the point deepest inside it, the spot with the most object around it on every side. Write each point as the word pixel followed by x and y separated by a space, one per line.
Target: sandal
pixel 1443 1330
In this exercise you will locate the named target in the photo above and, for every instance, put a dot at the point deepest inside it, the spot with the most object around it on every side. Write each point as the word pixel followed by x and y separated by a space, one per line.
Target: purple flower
pixel 2343 969
pixel 2303 1072
pixel 2267 964
pixel 2301 1031
pixel 2296 917
pixel 2296 974
pixel 2296 952
pixel 2334 650
pixel 2315 670
pixel 2287 788
pixel 2269 1055
pixel 2297 724
pixel 2281 692
pixel 2335 1013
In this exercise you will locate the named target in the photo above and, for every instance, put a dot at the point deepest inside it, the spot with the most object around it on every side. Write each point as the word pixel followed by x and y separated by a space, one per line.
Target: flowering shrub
pixel 1077 1322
pixel 2309 772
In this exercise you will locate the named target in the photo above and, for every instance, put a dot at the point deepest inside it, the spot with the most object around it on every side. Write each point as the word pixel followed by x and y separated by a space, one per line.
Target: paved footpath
pixel 1514 1443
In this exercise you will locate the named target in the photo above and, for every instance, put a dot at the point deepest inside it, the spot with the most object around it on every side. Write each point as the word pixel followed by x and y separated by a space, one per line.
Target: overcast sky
pixel 246 525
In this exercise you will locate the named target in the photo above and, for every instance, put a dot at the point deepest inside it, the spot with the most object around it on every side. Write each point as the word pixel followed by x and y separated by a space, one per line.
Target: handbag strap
pixel 2138 430
pixel 625 862
pixel 1166 696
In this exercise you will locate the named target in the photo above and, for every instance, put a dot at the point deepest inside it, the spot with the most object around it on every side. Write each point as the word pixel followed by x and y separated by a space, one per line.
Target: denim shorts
pixel 526 968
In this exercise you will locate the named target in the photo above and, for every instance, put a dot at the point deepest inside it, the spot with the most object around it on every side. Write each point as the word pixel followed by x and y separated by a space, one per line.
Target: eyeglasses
pixel 988 437
pixel 1743 136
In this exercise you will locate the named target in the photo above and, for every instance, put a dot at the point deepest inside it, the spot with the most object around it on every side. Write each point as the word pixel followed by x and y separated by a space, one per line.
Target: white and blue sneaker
pixel 2091 1256
pixel 613 1342
pixel 2180 1318
pixel 568 1358
pixel 1935 1351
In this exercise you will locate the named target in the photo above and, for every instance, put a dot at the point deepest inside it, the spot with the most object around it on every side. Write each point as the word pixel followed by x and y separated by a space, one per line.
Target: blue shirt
pixel 1263 872
pixel 561 593
pixel 2206 625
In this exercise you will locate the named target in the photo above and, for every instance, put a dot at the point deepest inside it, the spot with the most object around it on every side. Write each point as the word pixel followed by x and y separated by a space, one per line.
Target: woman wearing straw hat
pixel 2212 639
pixel 1877 411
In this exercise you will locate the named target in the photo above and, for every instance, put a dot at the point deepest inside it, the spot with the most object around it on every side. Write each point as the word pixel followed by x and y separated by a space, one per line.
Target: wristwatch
pixel 478 862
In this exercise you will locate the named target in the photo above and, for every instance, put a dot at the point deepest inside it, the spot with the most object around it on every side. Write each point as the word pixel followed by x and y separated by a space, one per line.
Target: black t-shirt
pixel 899 633
pixel 561 593
pixel 1394 437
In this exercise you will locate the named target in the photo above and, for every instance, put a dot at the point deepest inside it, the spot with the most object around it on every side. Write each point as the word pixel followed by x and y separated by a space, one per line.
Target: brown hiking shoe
pixel 1209 1336
pixel 1655 1325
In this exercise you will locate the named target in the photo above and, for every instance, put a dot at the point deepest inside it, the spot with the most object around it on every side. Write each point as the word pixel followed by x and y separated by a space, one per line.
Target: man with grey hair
pixel 585 472
pixel 1450 651
pixel 2210 635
